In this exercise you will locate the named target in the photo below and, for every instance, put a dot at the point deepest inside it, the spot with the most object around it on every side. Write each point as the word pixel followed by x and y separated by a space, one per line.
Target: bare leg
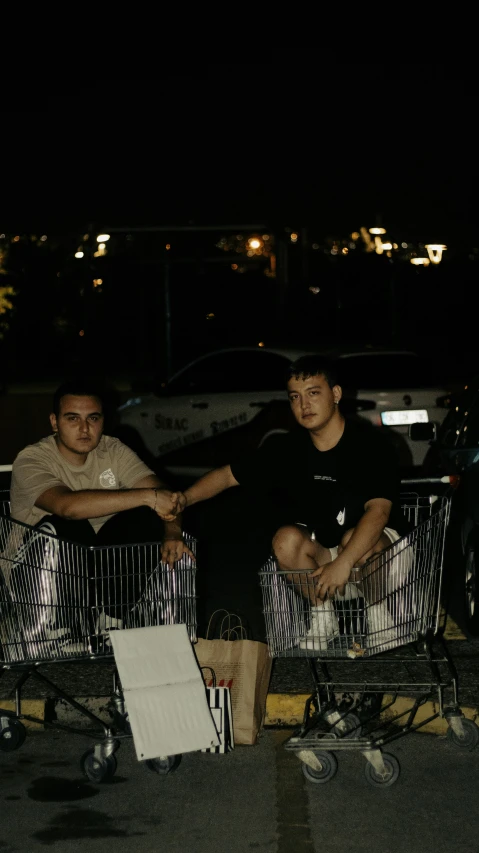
pixel 372 582
pixel 297 553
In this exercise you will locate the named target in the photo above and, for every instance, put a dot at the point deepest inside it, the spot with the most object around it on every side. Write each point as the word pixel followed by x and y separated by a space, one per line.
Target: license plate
pixel 402 418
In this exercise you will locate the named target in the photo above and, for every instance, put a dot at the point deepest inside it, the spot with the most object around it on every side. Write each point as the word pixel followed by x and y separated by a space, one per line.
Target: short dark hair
pixel 314 365
pixel 78 387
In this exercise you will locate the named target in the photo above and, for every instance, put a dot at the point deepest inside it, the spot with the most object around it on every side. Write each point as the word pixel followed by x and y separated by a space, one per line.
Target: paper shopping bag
pixel 219 699
pixel 245 667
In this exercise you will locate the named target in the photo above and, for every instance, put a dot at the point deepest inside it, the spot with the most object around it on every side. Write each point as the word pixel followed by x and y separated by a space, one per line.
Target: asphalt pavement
pixel 254 798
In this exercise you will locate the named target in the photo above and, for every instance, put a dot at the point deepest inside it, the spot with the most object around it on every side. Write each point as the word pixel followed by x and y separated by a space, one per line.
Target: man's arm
pixel 94 503
pixel 366 535
pixel 208 486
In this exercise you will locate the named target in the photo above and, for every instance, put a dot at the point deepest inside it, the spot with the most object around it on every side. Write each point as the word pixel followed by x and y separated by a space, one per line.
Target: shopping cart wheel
pixel 469 739
pixel 329 768
pixel 12 735
pixel 98 769
pixel 164 765
pixel 391 772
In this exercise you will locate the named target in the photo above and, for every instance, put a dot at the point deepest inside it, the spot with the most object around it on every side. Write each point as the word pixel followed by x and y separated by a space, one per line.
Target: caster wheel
pixel 469 740
pixel 328 770
pixel 349 727
pixel 163 766
pixel 390 775
pixel 12 736
pixel 98 769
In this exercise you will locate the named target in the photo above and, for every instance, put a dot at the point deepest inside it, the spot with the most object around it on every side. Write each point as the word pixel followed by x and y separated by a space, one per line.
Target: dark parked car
pixel 454 451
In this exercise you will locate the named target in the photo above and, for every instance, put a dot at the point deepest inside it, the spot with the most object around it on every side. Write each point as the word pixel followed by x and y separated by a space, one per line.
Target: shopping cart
pixel 60 600
pixel 383 639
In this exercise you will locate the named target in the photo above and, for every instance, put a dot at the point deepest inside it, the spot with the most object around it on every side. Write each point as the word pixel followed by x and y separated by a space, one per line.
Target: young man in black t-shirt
pixel 337 482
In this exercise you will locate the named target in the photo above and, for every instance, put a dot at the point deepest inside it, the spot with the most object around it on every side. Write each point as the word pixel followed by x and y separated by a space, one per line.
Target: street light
pixel 435 251
pixel 423 262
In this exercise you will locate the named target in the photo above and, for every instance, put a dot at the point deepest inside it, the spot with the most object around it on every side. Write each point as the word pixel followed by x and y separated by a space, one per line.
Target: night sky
pixel 291 142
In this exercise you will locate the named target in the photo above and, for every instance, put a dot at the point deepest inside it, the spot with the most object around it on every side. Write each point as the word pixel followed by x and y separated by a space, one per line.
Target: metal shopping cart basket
pixel 59 601
pixel 381 640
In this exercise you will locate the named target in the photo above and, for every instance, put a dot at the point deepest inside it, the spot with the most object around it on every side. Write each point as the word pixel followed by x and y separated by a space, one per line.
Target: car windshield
pixel 228 372
pixel 387 371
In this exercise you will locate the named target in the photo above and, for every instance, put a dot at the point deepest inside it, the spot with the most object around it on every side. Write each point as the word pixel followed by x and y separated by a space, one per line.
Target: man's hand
pixel 179 503
pixel 173 549
pixel 166 504
pixel 331 577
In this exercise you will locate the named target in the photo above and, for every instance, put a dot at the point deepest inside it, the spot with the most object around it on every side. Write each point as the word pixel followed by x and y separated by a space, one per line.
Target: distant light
pixel 81 332
pixel 254 243
pixel 79 254
pixel 16 239
pixel 315 245
pixel 435 251
pixel 210 316
pixel 234 266
pixel 387 247
pixel 265 237
pixel 261 344
pixel 97 282
pixel 404 245
pixel 377 230
pixel 101 246
pixel 102 238
pixel 314 289
pixel 293 237
pixel 43 238
pixel 355 235
pixel 168 246
pixel 420 262
pixel 345 250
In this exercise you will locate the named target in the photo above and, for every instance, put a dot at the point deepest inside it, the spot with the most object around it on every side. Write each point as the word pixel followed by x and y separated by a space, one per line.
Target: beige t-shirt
pixel 40 466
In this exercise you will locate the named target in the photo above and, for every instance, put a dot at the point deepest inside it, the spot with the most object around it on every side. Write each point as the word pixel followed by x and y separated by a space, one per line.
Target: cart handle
pixel 451 479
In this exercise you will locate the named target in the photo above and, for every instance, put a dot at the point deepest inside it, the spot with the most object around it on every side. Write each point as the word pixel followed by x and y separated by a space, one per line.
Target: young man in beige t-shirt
pixel 92 489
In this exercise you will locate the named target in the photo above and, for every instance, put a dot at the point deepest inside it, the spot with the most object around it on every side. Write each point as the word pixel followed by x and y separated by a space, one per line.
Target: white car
pixel 206 406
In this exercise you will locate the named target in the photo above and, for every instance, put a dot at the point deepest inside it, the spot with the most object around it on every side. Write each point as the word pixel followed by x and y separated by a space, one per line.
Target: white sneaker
pixel 381 630
pixel 105 622
pixel 323 627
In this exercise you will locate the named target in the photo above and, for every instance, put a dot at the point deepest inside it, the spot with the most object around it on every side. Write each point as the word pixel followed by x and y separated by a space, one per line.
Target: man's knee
pixel 288 539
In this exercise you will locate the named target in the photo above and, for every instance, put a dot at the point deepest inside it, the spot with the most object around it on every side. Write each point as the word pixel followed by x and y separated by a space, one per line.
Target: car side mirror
pixel 423 431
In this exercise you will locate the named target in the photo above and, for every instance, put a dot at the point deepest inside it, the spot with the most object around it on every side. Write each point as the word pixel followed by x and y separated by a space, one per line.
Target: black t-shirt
pixel 326 490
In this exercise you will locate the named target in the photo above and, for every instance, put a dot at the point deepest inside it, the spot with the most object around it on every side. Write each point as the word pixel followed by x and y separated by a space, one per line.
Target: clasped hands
pixel 168 505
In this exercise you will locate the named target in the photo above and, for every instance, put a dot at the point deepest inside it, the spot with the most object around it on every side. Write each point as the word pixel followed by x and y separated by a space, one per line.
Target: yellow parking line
pixel 287 710
pixel 453 632
pixel 32 707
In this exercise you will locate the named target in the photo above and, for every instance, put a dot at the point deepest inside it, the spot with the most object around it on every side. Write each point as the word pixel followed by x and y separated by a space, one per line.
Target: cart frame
pixel 58 602
pixel 347 709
